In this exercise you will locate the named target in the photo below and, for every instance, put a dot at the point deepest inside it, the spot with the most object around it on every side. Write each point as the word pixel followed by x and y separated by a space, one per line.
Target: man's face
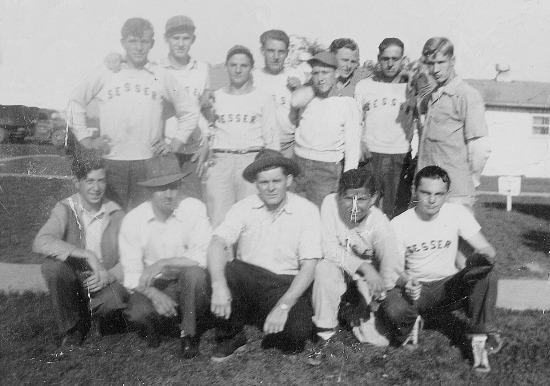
pixel 323 78
pixel 391 61
pixel 348 61
pixel 364 202
pixel 275 53
pixel 431 194
pixel 272 185
pixel 441 67
pixel 238 68
pixel 164 199
pixel 179 44
pixel 92 188
pixel 137 47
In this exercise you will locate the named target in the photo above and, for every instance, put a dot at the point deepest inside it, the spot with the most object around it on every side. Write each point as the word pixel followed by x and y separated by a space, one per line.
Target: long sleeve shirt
pixel 195 79
pixel 144 239
pixel 131 104
pixel 374 235
pixel 330 130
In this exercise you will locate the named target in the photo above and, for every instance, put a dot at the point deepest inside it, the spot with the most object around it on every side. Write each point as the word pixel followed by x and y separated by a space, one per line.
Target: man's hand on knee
pixel 164 304
pixel 276 320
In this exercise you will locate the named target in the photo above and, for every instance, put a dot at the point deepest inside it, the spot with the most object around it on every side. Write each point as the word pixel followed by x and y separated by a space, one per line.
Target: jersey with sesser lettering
pixel 244 121
pixel 430 247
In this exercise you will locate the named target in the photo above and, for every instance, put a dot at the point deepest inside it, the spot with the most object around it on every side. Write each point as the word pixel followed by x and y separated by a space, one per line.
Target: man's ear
pixel 374 199
pixel 289 180
pixel 152 43
pixel 75 182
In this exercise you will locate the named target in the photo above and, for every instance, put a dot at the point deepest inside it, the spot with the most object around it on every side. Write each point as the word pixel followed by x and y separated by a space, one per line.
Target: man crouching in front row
pixel 269 282
pixel 163 245
pixel 80 240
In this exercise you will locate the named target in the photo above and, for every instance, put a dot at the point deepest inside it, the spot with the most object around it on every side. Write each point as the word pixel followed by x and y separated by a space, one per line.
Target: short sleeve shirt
pixel 274 240
pixel 456 114
pixel 430 247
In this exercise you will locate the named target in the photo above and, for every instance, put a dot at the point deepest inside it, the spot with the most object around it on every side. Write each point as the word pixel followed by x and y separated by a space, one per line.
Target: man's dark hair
pixel 135 26
pixel 388 42
pixel 84 163
pixel 343 43
pixel 238 49
pixel 433 172
pixel 274 34
pixel 358 178
pixel 438 44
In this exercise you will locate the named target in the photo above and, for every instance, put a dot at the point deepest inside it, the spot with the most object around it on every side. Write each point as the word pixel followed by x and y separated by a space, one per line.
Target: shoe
pixel 318 352
pixel 479 353
pixel 73 338
pixel 225 349
pixel 494 343
pixel 189 346
pixel 150 332
pixel 367 332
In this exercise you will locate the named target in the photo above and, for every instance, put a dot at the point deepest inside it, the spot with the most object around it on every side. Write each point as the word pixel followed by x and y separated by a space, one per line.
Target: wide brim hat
pixel 161 171
pixel 267 158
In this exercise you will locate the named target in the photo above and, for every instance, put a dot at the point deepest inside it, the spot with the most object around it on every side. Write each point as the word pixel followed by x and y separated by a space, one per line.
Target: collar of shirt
pixel 449 88
pixel 287 207
pixel 149 214
pixel 167 62
pixel 107 207
pixel 149 67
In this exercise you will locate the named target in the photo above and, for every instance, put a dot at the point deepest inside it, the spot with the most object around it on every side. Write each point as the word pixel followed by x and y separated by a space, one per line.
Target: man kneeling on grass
pixel 80 239
pixel 361 253
pixel 430 283
pixel 279 243
pixel 163 245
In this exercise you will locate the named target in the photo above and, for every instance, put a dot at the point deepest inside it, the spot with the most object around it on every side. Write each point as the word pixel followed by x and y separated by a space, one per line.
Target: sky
pixel 47 47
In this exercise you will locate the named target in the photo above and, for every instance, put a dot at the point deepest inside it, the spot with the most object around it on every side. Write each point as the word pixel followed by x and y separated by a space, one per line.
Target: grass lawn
pixel 28 356
pixel 521 237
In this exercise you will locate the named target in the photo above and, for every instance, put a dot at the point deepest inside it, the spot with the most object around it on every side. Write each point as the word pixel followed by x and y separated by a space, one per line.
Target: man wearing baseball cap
pixel 279 243
pixel 193 76
pixel 327 138
pixel 163 245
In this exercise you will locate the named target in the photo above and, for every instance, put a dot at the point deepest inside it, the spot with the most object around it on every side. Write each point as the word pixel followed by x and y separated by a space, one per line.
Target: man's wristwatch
pixel 284 307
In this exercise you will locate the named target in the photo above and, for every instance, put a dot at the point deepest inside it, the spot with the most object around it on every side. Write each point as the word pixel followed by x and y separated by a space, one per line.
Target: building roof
pixel 517 94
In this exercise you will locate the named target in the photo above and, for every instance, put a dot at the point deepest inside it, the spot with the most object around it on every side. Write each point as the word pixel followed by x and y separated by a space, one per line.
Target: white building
pixel 518 117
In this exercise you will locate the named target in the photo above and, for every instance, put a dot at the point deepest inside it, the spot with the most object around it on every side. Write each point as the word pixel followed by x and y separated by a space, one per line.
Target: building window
pixel 541 125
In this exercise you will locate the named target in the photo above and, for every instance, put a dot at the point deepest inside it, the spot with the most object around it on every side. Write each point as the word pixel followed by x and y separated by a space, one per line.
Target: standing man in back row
pixel 455 133
pixel 131 104
pixel 327 138
pixel 279 82
pixel 193 76
pixel 387 121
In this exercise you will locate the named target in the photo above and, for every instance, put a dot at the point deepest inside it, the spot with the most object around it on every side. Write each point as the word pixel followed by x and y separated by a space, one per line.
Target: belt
pixel 238 151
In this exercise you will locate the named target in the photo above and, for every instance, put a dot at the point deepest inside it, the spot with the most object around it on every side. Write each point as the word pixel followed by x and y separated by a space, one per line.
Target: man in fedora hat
pixel 163 245
pixel 279 243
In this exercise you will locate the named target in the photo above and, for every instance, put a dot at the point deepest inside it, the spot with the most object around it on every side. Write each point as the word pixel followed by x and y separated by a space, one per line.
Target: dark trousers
pixel 473 288
pixel 191 185
pixel 317 179
pixel 190 289
pixel 70 301
pixel 388 169
pixel 122 179
pixel 255 291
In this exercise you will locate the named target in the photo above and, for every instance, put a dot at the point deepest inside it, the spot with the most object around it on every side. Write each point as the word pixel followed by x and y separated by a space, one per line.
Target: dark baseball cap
pixel 179 24
pixel 324 58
